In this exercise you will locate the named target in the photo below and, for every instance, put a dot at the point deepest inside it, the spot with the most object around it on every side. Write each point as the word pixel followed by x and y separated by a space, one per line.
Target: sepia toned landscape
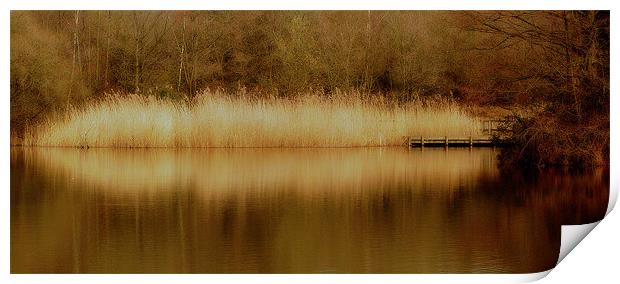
pixel 305 141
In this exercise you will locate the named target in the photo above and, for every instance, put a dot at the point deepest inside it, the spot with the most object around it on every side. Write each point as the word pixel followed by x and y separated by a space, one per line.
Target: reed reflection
pixel 379 210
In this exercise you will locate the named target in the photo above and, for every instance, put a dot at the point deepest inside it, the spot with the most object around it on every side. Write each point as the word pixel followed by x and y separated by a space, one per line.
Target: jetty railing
pixel 490 127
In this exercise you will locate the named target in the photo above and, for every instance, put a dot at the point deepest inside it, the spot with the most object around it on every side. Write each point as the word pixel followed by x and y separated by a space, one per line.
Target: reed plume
pixel 215 119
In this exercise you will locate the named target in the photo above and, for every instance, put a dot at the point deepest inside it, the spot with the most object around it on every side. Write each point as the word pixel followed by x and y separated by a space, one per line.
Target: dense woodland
pixel 550 69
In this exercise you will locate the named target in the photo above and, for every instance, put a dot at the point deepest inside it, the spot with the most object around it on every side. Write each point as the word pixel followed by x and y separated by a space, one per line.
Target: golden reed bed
pixel 213 119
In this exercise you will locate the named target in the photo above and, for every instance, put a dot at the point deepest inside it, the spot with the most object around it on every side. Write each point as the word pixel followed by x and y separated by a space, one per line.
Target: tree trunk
pixel 107 54
pixel 76 50
pixel 136 53
pixel 97 78
pixel 570 69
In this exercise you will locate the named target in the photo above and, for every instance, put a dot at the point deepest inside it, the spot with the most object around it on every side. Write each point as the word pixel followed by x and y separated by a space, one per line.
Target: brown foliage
pixel 569 85
pixel 551 65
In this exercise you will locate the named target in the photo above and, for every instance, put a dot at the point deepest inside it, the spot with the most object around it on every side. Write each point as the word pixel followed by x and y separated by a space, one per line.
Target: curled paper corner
pixel 531 277
pixel 572 236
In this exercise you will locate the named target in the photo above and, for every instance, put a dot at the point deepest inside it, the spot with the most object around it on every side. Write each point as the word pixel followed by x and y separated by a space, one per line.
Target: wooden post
pixel 446 141
pixel 421 142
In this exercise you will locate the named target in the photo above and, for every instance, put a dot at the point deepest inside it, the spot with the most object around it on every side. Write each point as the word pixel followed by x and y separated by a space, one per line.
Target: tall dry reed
pixel 213 119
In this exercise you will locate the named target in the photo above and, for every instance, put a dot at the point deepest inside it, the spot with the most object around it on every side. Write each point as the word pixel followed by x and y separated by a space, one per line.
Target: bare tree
pixel 565 51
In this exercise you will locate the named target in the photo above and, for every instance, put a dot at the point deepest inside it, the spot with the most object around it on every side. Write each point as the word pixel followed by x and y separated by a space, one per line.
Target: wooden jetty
pixel 488 127
pixel 451 142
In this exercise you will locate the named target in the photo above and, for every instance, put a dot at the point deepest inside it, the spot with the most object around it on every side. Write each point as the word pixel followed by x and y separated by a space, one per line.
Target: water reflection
pixel 378 210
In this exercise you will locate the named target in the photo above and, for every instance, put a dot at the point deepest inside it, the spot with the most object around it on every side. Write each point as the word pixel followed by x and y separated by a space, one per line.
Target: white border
pixel 600 254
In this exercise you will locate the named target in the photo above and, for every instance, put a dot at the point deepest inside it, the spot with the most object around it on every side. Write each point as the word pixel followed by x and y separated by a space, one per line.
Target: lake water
pixel 359 210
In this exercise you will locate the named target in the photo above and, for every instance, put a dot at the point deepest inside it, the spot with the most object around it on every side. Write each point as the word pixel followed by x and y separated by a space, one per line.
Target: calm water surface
pixel 379 210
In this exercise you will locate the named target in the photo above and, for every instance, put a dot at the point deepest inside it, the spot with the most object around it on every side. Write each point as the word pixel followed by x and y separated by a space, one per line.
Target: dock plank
pixel 489 127
pixel 452 142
